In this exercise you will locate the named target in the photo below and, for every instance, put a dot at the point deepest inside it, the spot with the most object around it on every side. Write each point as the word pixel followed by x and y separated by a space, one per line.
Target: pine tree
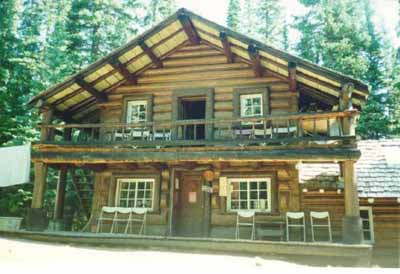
pixel 233 17
pixel 249 20
pixel 157 10
pixel 270 22
pixel 331 37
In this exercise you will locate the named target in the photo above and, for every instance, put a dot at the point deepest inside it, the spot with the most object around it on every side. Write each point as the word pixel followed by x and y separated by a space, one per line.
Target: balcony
pixel 323 128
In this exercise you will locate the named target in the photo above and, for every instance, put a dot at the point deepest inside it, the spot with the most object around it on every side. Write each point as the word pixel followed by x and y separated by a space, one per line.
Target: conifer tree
pixel 233 17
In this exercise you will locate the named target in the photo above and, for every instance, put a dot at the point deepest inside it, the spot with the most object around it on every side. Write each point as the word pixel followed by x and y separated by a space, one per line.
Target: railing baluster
pixel 272 130
pixel 195 131
pixel 185 133
pixel 288 127
pixel 253 130
pixel 265 128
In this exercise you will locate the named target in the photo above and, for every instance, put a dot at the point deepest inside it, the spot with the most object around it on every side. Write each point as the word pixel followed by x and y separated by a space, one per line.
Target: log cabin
pixel 195 125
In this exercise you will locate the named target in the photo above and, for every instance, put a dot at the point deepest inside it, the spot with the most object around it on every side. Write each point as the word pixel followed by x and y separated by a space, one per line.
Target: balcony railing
pixel 323 127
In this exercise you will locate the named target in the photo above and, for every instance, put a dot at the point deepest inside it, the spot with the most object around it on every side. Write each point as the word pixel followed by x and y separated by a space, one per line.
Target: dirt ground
pixel 20 256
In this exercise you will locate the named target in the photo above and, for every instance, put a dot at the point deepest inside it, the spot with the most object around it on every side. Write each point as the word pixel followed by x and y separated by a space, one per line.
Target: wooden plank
pixel 227 47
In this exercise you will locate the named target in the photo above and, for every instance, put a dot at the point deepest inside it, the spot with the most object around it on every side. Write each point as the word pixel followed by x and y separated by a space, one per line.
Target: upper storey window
pixel 136 111
pixel 251 105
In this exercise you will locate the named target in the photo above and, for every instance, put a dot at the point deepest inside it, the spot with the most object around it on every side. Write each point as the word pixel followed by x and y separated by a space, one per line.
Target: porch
pixel 321 253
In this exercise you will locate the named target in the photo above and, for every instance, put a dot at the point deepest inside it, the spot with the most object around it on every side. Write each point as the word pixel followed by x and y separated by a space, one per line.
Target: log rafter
pixel 255 59
pixel 100 97
pixel 189 28
pixel 227 47
pixel 157 61
pixel 123 70
pixel 292 67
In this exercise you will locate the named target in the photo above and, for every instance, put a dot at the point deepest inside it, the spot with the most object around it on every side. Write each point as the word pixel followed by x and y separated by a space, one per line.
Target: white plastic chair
pixel 104 216
pixel 320 216
pixel 137 215
pixel 302 224
pixel 239 222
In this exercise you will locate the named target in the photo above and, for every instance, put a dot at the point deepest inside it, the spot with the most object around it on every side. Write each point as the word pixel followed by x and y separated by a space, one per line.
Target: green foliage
pixel 233 17
pixel 15 199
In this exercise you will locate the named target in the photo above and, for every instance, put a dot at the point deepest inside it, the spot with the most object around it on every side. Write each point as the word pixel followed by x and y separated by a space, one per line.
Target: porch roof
pixel 378 170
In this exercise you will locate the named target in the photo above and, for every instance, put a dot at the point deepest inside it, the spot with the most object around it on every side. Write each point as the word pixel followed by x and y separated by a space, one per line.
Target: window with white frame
pixel 253 194
pixel 136 111
pixel 367 224
pixel 135 193
pixel 251 105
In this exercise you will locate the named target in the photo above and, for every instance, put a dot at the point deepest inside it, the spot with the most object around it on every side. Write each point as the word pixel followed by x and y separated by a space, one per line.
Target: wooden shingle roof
pixel 378 170
pixel 79 93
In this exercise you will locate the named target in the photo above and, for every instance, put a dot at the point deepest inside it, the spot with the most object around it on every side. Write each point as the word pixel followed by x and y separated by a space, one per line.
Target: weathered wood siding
pixel 199 67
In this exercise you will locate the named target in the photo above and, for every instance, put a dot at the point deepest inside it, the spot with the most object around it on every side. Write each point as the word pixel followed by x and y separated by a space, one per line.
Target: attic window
pixel 251 105
pixel 136 111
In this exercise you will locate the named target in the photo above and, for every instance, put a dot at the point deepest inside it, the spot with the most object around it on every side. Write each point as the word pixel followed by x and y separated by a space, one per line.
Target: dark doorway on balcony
pixel 193 108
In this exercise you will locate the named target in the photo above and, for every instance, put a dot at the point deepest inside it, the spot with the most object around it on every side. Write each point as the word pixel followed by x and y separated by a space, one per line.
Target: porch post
pixel 171 201
pixel 60 195
pixel 39 184
pixel 352 230
pixel 36 217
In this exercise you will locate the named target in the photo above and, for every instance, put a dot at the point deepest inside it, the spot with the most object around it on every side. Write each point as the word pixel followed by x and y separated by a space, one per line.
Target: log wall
pixel 199 67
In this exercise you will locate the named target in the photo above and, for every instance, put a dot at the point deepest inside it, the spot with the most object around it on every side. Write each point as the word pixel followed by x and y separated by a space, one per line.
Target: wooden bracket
pixel 255 59
pixel 123 70
pixel 189 28
pixel 227 47
pixel 151 54
pixel 100 97
pixel 292 67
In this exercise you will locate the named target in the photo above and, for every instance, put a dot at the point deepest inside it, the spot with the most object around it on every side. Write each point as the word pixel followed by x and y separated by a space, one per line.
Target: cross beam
pixel 255 59
pixel 151 54
pixel 123 70
pixel 227 47
pixel 189 28
pixel 100 97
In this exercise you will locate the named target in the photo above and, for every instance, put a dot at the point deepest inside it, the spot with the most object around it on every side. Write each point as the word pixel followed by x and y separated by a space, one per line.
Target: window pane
pixel 365 224
pixel 253 185
pixel 234 205
pixel 235 195
pixel 253 205
pixel 253 195
pixel 243 195
pixel 367 236
pixel 243 205
pixel 364 214
pixel 243 185
pixel 263 185
pixel 263 194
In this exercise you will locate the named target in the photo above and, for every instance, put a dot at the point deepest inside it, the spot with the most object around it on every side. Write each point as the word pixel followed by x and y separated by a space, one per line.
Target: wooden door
pixel 189 217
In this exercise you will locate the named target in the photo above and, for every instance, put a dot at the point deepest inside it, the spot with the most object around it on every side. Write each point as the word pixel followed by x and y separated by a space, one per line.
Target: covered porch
pixel 204 198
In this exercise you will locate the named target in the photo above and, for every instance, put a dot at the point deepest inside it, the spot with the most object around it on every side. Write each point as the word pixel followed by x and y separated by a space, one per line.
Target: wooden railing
pixel 323 126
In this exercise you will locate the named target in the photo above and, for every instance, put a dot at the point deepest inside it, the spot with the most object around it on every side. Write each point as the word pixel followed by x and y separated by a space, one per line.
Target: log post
pixel 39 184
pixel 171 202
pixel 47 116
pixel 60 194
pixel 345 104
pixel 352 230
pixel 36 217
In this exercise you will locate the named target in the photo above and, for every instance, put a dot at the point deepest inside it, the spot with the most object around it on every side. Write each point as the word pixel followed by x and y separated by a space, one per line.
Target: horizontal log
pixel 167 99
pixel 282 95
pixel 205 76
pixel 223 106
pixel 198 84
pixel 197 53
pixel 178 62
pixel 280 103
pixel 223 97
pixel 162 108
pixel 198 68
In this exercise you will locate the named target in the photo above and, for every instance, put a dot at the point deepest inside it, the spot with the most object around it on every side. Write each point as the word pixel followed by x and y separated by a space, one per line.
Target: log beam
pixel 39 184
pixel 255 59
pixel 123 70
pixel 227 47
pixel 100 97
pixel 151 54
pixel 345 102
pixel 60 194
pixel 292 67
pixel 189 28
pixel 352 230
pixel 47 117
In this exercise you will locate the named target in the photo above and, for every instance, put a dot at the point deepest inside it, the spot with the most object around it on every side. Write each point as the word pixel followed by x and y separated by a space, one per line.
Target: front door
pixel 189 217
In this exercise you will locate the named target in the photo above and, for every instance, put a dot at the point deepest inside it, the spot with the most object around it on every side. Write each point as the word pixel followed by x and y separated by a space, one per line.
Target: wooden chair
pixel 124 215
pixel 240 222
pixel 301 223
pixel 320 216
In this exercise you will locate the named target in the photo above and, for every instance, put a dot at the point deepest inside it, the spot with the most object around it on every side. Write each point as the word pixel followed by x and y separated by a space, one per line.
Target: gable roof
pixel 378 170
pixel 81 91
